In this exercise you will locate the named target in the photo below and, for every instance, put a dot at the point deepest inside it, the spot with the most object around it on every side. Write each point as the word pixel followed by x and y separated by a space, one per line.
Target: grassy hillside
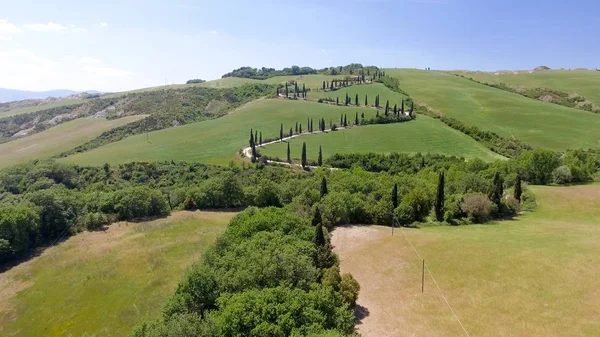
pixel 57 139
pixel 536 123
pixel 534 276
pixel 582 82
pixel 218 140
pixel 371 90
pixel 424 134
pixel 40 107
pixel 105 283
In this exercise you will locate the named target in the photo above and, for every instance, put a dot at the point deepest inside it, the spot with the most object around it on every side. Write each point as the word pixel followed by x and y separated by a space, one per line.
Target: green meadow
pixel 57 139
pixel 582 82
pixel 536 123
pixel 105 283
pixel 424 134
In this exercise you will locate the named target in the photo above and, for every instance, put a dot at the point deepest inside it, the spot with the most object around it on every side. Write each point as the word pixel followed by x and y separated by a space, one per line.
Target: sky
pixel 122 45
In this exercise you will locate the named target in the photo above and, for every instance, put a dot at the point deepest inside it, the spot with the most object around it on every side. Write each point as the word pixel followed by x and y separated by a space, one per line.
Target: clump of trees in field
pixel 268 265
pixel 195 81
pixel 264 73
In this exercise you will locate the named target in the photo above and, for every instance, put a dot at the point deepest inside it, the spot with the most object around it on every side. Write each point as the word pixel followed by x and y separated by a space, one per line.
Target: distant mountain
pixel 8 95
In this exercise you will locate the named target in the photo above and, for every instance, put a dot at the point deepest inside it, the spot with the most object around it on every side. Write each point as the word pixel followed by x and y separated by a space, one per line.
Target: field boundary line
pixel 435 282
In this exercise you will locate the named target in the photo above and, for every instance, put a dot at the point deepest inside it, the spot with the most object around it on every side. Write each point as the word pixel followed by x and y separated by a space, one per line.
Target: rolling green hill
pixel 536 123
pixel 57 139
pixel 218 140
pixel 581 82
pixel 424 134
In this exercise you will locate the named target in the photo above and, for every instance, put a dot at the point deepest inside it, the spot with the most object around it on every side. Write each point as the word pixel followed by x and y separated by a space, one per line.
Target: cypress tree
pixel 317 217
pixel 346 99
pixel 304 162
pixel 362 115
pixel 253 159
pixel 300 128
pixel 320 160
pixel 395 110
pixel 518 188
pixel 277 91
pixel 291 132
pixel 289 158
pixel 345 121
pixel 341 120
pixel 497 190
pixel 356 119
pixel 337 101
pixel 304 90
pixel 356 99
pixel 286 90
pixel 260 139
pixel 402 107
pixel 324 190
pixel 323 85
pixel 281 133
pixel 319 237
pixel 439 198
pixel 296 127
pixel 331 85
pixel 412 108
pixel 295 87
pixel 395 196
pixel 366 100
pixel 387 107
pixel 251 138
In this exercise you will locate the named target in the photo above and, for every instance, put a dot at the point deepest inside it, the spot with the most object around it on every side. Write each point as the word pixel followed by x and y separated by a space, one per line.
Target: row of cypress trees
pixel 297 92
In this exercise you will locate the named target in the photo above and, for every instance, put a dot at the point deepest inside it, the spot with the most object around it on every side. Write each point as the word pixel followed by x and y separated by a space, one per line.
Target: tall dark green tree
pixel 277 91
pixel 320 159
pixel 346 98
pixel 497 190
pixel 304 161
pixel 317 219
pixel 289 158
pixel 366 100
pixel 356 100
pixel 341 120
pixel 304 90
pixel 518 188
pixel 387 107
pixel 296 127
pixel 395 196
pixel 412 109
pixel 296 87
pixel 291 132
pixel 251 137
pixel 356 119
pixel 255 137
pixel 402 107
pixel 281 133
pixel 337 101
pixel 319 237
pixel 345 121
pixel 323 85
pixel 439 198
pixel 300 128
pixel 260 139
pixel 395 110
pixel 286 90
pixel 324 190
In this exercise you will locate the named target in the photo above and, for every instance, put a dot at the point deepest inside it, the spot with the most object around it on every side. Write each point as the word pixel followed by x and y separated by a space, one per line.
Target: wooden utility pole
pixel 423 278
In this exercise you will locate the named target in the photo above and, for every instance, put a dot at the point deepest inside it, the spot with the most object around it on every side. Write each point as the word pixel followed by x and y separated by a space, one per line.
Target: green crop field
pixel 536 123
pixel 424 134
pixel 581 82
pixel 216 141
pixel 105 283
pixel 370 90
pixel 536 275
pixel 57 139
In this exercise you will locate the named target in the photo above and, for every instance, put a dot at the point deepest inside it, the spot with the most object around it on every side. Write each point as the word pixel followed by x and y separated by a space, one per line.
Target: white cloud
pixel 50 27
pixel 89 60
pixel 7 30
pixel 213 32
pixel 103 24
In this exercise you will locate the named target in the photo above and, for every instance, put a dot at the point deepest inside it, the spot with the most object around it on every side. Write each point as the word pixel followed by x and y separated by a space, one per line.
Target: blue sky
pixel 118 45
